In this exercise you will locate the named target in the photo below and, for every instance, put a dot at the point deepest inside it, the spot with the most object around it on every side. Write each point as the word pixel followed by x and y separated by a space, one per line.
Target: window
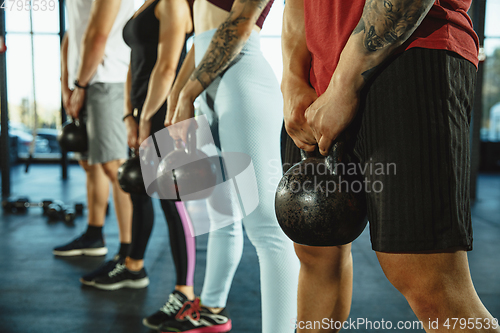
pixel 270 38
pixel 490 129
pixel 33 73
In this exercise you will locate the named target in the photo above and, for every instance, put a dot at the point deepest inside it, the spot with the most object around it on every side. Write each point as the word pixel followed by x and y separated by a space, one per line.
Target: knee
pixel 323 258
pixel 425 288
pixel 85 165
pixel 111 169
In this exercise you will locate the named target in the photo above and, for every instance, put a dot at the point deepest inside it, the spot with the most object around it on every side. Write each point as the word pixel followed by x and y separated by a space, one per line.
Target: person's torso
pixel 210 14
pixel 142 33
pixel 114 65
pixel 329 24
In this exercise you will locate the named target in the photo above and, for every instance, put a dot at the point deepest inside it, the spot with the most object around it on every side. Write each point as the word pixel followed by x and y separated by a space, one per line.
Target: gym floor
pixel 41 293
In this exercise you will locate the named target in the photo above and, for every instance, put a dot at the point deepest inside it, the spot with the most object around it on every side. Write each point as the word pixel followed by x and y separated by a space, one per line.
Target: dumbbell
pixel 68 215
pixel 57 211
pixel 21 205
pixel 318 205
pixel 79 208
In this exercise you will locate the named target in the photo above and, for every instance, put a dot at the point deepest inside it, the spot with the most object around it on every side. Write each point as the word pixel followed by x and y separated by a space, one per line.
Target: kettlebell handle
pixel 190 146
pixel 191 141
pixel 76 121
pixel 334 157
pixel 307 154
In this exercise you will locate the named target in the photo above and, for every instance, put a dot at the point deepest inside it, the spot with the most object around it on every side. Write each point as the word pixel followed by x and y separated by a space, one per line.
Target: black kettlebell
pixel 190 170
pixel 130 175
pixel 73 137
pixel 317 203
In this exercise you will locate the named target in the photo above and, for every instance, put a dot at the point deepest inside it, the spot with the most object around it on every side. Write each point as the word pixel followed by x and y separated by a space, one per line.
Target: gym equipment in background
pixel 54 210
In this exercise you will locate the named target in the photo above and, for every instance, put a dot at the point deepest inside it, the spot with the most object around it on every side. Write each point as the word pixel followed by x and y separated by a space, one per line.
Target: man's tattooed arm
pixel 386 24
pixel 228 40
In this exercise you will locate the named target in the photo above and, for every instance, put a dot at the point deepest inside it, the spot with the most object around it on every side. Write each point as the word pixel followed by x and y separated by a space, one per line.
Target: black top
pixel 142 33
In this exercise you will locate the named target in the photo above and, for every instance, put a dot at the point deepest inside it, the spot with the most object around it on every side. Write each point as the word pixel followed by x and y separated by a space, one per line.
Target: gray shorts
pixel 103 112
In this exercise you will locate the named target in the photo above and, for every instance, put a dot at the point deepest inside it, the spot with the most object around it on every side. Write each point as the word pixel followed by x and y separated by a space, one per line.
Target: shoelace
pixel 172 306
pixel 189 308
pixel 117 270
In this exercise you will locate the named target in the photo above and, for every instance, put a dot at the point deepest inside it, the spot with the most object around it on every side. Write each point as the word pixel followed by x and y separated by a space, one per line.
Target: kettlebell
pixel 190 170
pixel 73 136
pixel 318 203
pixel 130 175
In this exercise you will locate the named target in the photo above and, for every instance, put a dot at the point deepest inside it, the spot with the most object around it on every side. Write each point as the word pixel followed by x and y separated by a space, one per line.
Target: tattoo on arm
pixel 226 44
pixel 387 23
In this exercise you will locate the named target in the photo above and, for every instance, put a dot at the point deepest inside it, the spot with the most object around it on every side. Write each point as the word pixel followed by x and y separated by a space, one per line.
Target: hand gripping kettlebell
pixel 318 203
pixel 191 170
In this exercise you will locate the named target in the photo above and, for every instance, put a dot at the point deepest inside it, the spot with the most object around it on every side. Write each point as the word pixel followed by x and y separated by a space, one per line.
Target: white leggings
pixel 247 104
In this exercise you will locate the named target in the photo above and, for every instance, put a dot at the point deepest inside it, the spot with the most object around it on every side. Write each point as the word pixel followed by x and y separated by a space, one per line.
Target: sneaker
pixel 120 277
pixel 167 312
pixel 195 318
pixel 82 246
pixel 105 268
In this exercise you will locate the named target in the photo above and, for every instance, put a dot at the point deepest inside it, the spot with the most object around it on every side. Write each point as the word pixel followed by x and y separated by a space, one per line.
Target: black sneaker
pixel 195 318
pixel 120 277
pixel 105 268
pixel 82 246
pixel 167 312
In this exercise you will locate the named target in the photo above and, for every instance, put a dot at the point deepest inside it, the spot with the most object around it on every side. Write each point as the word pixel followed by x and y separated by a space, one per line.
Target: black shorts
pixel 412 137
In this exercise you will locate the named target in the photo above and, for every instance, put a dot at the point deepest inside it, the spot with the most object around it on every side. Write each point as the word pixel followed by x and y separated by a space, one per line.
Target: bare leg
pixel 97 193
pixel 123 204
pixel 325 284
pixel 438 286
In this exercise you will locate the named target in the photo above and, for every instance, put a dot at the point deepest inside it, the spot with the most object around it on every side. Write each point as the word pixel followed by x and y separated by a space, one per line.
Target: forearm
pixel 226 44
pixel 296 56
pixel 64 62
pixel 128 87
pixel 158 90
pixel 93 47
pixel 102 17
pixel 384 26
pixel 185 72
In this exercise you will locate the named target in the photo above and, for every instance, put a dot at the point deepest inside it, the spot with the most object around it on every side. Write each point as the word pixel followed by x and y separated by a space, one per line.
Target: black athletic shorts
pixel 412 139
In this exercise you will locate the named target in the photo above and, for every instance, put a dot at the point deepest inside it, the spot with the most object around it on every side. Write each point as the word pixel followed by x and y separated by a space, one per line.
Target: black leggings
pixel 182 243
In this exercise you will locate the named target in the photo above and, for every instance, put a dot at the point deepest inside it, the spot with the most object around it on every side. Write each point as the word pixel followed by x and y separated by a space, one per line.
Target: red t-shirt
pixel 329 24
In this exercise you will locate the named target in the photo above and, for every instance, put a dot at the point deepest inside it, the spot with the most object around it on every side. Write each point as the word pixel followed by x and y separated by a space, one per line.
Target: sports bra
pixel 227 4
